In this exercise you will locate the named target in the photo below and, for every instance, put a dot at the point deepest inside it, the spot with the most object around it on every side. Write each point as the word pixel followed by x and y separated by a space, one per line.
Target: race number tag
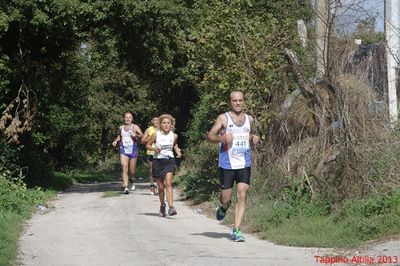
pixel 128 145
pixel 240 142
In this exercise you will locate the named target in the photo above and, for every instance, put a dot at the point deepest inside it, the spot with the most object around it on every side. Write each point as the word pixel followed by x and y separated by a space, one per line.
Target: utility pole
pixel 321 36
pixel 392 38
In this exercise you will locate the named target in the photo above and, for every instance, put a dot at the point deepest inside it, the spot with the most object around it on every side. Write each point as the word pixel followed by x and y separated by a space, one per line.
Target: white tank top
pixel 237 156
pixel 127 140
pixel 166 143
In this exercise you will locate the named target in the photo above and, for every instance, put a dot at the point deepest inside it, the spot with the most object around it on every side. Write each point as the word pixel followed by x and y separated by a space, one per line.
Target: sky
pixel 352 11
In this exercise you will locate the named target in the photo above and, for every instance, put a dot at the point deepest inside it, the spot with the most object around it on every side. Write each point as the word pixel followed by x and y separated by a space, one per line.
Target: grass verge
pixel 16 205
pixel 312 224
pixel 63 180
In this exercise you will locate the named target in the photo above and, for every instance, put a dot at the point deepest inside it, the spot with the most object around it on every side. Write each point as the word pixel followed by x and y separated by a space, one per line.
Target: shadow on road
pixel 148 214
pixel 103 187
pixel 154 214
pixel 213 235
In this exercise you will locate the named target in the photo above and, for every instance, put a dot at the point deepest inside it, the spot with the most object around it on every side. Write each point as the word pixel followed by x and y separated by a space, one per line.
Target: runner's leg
pixel 132 172
pixel 226 179
pixel 161 190
pixel 168 188
pixel 241 203
pixel 124 169
pixel 151 179
pixel 132 169
pixel 150 165
pixel 225 198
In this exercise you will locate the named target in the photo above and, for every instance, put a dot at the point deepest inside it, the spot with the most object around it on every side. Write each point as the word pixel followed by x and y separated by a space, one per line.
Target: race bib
pixel 128 145
pixel 240 143
pixel 127 142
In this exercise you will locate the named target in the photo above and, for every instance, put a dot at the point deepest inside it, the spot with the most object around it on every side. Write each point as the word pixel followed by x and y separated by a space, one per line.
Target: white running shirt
pixel 166 143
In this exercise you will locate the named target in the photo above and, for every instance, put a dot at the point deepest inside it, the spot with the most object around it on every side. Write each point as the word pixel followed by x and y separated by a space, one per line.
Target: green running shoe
pixel 237 235
pixel 220 214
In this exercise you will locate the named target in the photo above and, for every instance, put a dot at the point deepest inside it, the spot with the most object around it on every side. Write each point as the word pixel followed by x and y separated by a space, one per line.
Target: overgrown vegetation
pixel 328 149
pixel 70 68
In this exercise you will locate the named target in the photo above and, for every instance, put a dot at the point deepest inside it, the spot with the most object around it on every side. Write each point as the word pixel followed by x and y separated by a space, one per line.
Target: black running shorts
pixel 228 177
pixel 163 166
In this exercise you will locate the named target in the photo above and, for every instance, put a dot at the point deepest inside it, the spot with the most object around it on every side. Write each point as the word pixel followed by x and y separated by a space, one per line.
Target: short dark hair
pixel 229 96
pixel 128 112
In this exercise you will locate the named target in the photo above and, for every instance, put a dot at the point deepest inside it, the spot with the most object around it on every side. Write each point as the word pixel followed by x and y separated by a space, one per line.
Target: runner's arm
pixel 255 139
pixel 145 137
pixel 176 147
pixel 138 131
pixel 150 143
pixel 214 134
pixel 116 140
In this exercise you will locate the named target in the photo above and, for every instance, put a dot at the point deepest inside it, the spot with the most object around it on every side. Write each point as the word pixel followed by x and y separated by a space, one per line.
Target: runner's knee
pixel 241 193
pixel 168 183
pixel 160 183
pixel 226 197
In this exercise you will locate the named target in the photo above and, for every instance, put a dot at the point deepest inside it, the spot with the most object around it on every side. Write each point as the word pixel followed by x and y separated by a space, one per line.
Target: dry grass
pixel 336 142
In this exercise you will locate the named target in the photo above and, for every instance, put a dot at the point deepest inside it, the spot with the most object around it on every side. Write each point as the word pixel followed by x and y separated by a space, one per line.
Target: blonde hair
pixel 166 116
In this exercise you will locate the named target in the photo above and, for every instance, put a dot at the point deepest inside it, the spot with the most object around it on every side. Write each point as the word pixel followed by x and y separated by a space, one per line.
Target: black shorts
pixel 149 158
pixel 227 177
pixel 163 166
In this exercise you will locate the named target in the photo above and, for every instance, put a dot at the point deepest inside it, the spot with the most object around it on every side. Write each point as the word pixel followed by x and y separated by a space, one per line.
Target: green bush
pixel 199 172
pixel 61 181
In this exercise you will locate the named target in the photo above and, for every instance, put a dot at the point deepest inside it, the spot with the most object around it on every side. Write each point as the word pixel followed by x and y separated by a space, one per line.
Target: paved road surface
pixel 85 228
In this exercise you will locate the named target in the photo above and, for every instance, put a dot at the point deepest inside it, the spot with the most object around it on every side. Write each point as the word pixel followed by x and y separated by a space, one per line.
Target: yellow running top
pixel 151 131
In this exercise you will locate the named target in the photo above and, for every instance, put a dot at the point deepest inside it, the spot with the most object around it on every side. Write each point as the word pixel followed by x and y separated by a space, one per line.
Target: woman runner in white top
pixel 128 136
pixel 164 162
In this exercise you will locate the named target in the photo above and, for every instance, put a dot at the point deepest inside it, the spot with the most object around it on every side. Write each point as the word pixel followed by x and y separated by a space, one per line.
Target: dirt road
pixel 84 228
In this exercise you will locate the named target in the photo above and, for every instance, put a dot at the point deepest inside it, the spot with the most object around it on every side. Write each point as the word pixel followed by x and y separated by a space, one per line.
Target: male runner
pixel 234 131
pixel 150 131
pixel 128 136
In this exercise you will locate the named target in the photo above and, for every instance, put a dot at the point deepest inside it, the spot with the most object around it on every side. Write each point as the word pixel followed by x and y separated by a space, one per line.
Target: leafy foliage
pixel 202 178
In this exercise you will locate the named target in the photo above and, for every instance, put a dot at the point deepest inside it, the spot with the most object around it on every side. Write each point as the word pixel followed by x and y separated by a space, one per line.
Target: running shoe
pixel 162 211
pixel 172 211
pixel 220 213
pixel 152 190
pixel 126 190
pixel 237 235
pixel 131 185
